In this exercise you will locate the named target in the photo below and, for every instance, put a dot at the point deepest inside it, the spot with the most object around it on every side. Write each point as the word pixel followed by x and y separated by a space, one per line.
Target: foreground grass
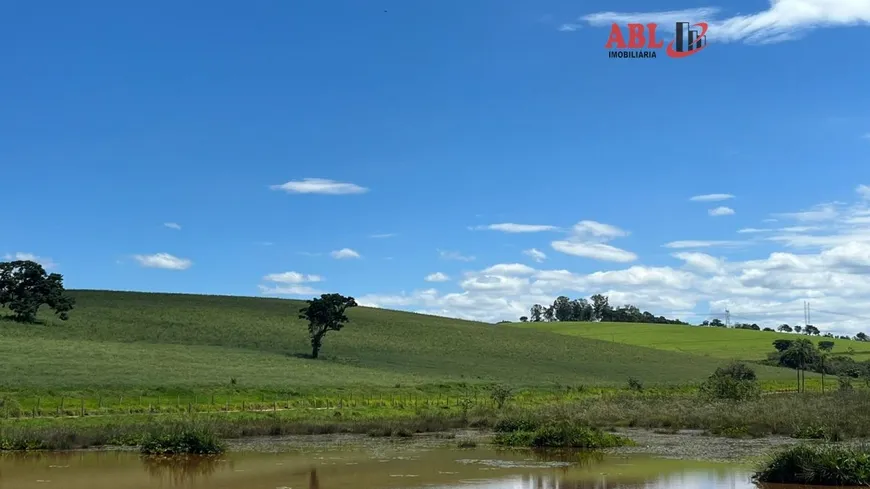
pixel 125 341
pixel 832 416
pixel 821 465
pixel 720 343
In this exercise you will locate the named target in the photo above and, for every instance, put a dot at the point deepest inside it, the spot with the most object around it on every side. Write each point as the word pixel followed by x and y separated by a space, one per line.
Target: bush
pixel 635 384
pixel 9 407
pixel 736 381
pixel 827 465
pixel 180 439
pixel 559 434
pixel 500 395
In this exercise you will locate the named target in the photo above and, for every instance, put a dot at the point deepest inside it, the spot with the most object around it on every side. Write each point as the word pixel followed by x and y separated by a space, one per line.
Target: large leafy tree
pixel 25 287
pixel 325 314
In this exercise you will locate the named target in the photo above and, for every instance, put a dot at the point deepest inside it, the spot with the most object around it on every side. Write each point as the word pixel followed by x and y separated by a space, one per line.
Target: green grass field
pixel 708 342
pixel 124 341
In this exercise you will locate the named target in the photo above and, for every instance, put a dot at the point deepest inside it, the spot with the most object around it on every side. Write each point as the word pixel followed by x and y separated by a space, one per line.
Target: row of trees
pixel 808 330
pixel 597 308
pixel 802 355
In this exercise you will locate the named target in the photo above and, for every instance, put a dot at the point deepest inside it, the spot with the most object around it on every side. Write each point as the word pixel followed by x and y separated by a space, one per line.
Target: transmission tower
pixel 727 318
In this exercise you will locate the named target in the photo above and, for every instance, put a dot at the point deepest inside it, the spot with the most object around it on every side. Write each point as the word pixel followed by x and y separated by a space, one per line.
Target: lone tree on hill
pixel 25 286
pixel 325 314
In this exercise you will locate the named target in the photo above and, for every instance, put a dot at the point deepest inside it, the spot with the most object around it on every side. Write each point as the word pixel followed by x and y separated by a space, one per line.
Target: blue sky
pixel 430 122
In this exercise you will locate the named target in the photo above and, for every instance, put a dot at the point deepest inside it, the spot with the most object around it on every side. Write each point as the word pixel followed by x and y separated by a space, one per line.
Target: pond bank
pixel 683 445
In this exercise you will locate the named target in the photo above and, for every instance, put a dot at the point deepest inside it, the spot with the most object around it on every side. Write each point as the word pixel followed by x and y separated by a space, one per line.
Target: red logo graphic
pixel 642 41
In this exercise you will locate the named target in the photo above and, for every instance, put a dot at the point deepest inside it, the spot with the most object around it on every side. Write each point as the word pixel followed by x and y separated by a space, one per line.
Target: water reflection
pixel 376 466
pixel 184 471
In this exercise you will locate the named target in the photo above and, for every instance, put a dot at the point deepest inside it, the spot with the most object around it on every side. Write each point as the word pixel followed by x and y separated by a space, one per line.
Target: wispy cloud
pixel 753 230
pixel 319 186
pixel 164 261
pixel 821 212
pixel 47 263
pixel 694 243
pixel 292 278
pixel 535 254
pixel 711 197
pixel 172 225
pixel 344 253
pixel 784 20
pixel 863 191
pixel 291 290
pixel 382 236
pixel 510 227
pixel 454 255
pixel 721 211
pixel 437 277
pixel 588 240
pixel 596 251
pixel 569 27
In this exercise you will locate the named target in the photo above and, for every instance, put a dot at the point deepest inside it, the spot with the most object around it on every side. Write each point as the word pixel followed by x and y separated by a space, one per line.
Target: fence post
pixel 83 406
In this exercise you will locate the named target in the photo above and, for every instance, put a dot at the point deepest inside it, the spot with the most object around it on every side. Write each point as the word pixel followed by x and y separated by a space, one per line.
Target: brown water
pixel 378 465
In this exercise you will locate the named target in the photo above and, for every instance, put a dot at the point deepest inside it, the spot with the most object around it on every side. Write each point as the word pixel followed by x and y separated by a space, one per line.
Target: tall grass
pixel 824 465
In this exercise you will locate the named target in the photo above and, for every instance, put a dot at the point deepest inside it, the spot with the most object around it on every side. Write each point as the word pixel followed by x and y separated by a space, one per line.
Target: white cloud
pixel 344 253
pixel 711 197
pixel 753 230
pixel 291 290
pixel 694 243
pixel 454 255
pixel 700 261
pixel 535 254
pixel 320 186
pixel 292 278
pixel 47 263
pixel 863 190
pixel 821 212
pixel 784 20
pixel 597 251
pixel 588 240
pixel 172 225
pixel 164 261
pixel 509 269
pixel 437 277
pixel 569 27
pixel 509 227
pixel 721 211
pixel 381 236
pixel 598 229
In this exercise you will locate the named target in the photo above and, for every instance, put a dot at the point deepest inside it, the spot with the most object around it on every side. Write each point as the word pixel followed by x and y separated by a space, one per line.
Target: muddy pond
pixel 370 463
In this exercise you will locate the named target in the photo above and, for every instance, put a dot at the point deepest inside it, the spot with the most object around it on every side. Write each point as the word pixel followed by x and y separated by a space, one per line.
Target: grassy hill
pixel 709 342
pixel 126 340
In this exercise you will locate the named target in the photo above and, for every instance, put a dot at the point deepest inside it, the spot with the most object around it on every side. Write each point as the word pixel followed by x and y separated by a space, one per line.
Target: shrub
pixel 560 434
pixel 828 465
pixel 180 439
pixel 500 395
pixel 735 381
pixel 635 384
pixel 9 407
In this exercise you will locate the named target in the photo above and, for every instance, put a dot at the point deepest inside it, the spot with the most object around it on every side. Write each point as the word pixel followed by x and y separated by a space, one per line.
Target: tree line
pixel 802 355
pixel 596 308
pixel 809 330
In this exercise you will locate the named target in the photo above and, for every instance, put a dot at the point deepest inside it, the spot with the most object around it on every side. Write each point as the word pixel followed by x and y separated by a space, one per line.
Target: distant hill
pixel 117 340
pixel 725 343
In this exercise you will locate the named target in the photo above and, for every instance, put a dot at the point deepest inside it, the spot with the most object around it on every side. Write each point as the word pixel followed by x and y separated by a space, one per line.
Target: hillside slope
pixel 709 342
pixel 125 339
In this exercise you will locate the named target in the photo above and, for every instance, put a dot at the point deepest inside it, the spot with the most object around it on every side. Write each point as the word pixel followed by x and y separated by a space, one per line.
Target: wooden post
pixel 83 406
pixel 37 408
